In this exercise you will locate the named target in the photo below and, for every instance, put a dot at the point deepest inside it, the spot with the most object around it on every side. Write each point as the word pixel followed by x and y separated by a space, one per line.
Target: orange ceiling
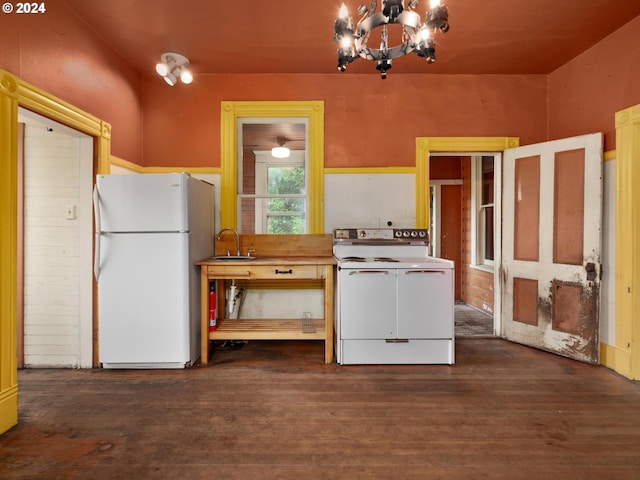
pixel 296 36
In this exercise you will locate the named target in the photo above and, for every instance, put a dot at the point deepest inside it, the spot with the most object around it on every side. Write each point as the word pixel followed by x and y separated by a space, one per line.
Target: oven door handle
pixel 358 272
pixel 408 272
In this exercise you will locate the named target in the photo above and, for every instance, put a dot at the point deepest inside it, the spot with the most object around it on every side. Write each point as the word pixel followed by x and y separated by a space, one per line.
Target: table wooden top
pixel 275 260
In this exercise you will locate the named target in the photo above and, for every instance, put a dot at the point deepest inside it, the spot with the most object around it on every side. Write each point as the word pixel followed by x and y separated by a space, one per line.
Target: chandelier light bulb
pixel 434 3
pixel 343 13
pixel 345 42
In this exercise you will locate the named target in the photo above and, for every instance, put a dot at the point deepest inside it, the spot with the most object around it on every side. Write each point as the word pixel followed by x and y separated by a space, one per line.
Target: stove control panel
pixel 416 233
pixel 354 234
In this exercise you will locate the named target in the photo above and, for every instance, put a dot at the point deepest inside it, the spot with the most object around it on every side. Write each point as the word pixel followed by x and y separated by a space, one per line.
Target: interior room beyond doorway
pixel 461 217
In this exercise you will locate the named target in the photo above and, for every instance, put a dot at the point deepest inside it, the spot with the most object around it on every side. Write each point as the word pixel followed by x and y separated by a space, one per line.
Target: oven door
pixel 425 303
pixel 368 306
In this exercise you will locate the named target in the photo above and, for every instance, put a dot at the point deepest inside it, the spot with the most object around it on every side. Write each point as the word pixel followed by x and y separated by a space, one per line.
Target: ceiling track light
pixel 174 66
pixel 416 36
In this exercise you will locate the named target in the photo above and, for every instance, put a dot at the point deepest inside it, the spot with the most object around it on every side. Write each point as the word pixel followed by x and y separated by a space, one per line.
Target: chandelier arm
pixel 415 36
pixel 384 45
pixel 408 19
pixel 407 35
pixel 391 53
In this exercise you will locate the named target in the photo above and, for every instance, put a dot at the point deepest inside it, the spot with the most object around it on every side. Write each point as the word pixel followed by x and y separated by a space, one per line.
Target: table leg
pixel 328 314
pixel 204 316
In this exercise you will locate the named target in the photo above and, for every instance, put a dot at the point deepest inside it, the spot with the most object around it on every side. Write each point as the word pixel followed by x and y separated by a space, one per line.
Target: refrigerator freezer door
pixel 143 203
pixel 143 306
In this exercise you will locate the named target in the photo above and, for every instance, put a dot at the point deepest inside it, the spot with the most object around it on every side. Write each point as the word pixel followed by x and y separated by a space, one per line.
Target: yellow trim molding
pixel 134 167
pixel 427 145
pixel 230 112
pixel 609 155
pixel 370 170
pixel 201 170
pixel 14 93
pixel 627 358
pixel 8 250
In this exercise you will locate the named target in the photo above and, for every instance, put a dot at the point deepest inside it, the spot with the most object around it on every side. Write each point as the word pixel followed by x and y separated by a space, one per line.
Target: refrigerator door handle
pixel 96 252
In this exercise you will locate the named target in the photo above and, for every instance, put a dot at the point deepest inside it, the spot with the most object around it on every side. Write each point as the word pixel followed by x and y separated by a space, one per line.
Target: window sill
pixel 483 268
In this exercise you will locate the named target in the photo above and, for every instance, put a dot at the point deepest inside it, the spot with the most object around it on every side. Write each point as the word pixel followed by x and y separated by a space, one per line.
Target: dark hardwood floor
pixel 272 410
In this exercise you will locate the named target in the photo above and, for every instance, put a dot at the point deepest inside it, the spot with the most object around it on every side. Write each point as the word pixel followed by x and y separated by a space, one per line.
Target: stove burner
pixel 352 259
pixel 385 259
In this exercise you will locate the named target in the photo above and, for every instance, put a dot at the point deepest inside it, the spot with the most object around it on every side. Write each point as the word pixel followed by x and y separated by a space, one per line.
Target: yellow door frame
pixel 426 145
pixel 624 356
pixel 16 93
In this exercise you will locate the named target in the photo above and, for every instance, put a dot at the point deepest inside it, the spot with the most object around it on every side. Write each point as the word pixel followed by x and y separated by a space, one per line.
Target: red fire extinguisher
pixel 213 318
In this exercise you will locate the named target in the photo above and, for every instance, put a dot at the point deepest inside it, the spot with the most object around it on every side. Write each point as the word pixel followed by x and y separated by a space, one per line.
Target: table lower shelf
pixel 269 329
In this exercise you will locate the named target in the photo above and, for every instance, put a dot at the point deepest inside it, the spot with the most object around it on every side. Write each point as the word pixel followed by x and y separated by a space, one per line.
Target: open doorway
pixel 55 325
pixel 462 229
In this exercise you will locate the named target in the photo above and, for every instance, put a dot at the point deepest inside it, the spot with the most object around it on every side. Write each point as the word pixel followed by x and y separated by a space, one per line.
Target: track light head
pixel 174 66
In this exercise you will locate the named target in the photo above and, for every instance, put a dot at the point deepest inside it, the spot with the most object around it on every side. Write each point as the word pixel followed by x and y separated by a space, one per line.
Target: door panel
pixel 368 302
pixel 526 242
pixel 550 271
pixel 425 303
pixel 451 231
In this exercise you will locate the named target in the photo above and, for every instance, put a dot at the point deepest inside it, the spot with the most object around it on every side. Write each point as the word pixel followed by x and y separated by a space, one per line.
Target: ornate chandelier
pixel 416 36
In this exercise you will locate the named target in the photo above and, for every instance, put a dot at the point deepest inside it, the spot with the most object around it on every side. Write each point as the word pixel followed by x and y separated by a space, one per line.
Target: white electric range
pixel 394 303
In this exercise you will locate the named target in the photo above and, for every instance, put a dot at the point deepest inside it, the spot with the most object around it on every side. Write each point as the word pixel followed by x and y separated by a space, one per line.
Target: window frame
pixel 478 212
pixel 230 112
pixel 264 161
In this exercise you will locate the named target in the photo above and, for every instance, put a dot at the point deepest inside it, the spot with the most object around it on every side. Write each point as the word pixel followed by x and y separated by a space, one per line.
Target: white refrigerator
pixel 150 229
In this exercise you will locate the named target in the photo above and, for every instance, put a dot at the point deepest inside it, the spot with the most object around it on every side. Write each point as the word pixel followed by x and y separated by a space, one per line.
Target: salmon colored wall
pixel 58 54
pixel 369 122
pixel 445 168
pixel 585 94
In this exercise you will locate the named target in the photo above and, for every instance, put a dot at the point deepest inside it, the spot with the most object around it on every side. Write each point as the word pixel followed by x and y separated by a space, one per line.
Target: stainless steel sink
pixel 232 258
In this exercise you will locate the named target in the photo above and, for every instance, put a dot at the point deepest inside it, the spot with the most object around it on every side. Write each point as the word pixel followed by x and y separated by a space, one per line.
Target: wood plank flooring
pixel 273 410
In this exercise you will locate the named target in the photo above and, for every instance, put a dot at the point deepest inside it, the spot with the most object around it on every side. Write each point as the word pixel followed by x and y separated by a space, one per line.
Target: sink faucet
pixel 219 236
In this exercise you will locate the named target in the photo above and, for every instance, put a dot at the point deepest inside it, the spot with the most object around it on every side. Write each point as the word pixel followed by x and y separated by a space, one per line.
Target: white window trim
pixel 239 123
pixel 264 160
pixel 477 239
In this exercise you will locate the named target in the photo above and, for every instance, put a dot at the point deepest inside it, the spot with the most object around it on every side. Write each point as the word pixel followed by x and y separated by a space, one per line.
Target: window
pixel 280 200
pixel 272 192
pixel 233 144
pixel 483 208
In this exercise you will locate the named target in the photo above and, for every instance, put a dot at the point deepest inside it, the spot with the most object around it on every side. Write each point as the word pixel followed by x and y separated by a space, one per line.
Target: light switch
pixel 70 212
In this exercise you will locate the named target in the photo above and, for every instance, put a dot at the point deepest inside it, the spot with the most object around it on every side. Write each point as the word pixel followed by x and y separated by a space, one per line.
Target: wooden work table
pixel 293 260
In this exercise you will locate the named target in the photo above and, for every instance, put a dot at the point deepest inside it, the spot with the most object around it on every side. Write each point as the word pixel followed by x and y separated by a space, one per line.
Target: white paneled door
pixel 550 271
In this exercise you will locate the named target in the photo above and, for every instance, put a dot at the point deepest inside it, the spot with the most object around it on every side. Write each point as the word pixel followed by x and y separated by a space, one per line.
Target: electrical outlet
pixel 306 314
